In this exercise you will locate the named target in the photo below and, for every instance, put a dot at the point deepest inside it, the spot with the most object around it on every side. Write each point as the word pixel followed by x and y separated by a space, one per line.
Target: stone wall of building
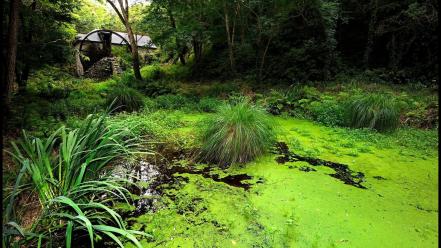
pixel 103 68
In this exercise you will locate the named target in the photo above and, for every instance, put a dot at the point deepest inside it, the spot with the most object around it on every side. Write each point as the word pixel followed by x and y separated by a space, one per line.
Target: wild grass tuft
pixel 125 99
pixel 376 111
pixel 236 134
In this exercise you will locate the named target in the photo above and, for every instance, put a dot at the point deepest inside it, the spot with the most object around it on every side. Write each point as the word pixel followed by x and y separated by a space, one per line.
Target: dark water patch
pixel 306 169
pixel 419 207
pixel 379 178
pixel 342 171
pixel 232 180
pixel 260 180
pixel 153 181
pixel 282 159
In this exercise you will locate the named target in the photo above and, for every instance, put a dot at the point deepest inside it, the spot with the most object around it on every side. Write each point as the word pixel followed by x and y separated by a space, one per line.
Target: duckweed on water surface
pixel 288 207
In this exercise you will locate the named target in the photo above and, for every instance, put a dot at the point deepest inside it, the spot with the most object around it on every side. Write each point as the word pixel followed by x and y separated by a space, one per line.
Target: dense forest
pixel 291 41
pixel 219 123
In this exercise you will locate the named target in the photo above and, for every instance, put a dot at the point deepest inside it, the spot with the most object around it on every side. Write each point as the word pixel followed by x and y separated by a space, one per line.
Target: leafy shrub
pixel 175 102
pixel 51 83
pixel 175 71
pixel 67 176
pixel 276 102
pixel 222 89
pixel 151 73
pixel 54 92
pixel 209 105
pixel 295 92
pixel 376 111
pixel 422 115
pixel 328 112
pixel 156 124
pixel 123 55
pixel 236 134
pixel 291 100
pixel 154 89
pixel 83 103
pixel 125 99
pixel 127 79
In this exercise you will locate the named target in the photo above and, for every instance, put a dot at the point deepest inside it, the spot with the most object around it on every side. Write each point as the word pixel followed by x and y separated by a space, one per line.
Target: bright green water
pixel 292 208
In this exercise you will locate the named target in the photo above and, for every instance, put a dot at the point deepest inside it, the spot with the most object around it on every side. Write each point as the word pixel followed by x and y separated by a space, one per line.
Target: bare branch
pixel 117 11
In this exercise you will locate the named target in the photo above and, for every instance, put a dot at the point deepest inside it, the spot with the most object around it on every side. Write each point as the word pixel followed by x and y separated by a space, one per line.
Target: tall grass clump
pixel 124 98
pixel 236 134
pixel 67 173
pixel 376 111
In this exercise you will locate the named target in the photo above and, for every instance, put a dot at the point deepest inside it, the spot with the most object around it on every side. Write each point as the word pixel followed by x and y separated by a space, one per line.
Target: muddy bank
pixel 342 171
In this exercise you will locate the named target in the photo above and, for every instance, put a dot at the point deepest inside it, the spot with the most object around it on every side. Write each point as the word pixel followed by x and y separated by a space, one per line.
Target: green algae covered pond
pixel 290 206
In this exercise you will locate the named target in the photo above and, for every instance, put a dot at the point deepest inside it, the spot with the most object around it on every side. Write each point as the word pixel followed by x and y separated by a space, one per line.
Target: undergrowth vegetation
pixel 376 111
pixel 65 168
pixel 126 99
pixel 75 194
pixel 236 134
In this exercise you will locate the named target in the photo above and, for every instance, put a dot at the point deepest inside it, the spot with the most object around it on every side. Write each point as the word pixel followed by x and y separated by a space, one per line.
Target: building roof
pixel 141 40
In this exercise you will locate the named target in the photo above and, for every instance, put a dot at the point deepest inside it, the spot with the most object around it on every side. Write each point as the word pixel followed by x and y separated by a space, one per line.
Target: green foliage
pixel 174 102
pixel 51 83
pixel 292 100
pixel 66 172
pixel 156 124
pixel 269 46
pixel 46 32
pixel 123 55
pixel 165 72
pixel 236 134
pixel 420 114
pixel 376 111
pixel 276 102
pixel 154 89
pixel 93 15
pixel 151 72
pixel 128 79
pixel 209 105
pixel 125 99
pixel 328 112
pixel 222 89
pixel 175 72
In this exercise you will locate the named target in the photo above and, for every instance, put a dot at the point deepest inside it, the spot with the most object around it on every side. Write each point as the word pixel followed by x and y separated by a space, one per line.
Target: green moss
pixel 292 208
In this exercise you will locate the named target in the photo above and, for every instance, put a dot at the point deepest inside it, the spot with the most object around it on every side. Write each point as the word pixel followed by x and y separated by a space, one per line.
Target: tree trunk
pixel 262 62
pixel 392 52
pixel 371 32
pixel 2 45
pixel 123 15
pixel 181 49
pixel 12 49
pixel 135 54
pixel 182 56
pixel 230 39
pixel 23 75
pixel 197 48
